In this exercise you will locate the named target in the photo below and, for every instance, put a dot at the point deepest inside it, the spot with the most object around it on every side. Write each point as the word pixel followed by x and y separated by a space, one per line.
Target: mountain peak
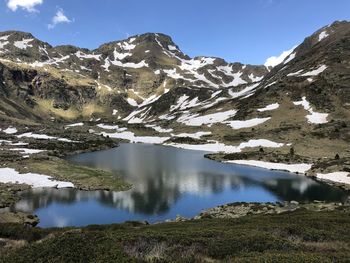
pixel 16 34
pixel 146 39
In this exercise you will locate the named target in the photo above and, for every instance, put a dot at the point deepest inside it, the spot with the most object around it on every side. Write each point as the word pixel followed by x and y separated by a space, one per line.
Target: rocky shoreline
pixel 19 218
pixel 242 209
pixel 51 162
pixel 237 210
pixel 318 165
pixel 58 150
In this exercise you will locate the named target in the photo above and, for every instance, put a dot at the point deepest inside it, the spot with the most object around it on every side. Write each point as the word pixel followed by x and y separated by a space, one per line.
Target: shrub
pixel 291 151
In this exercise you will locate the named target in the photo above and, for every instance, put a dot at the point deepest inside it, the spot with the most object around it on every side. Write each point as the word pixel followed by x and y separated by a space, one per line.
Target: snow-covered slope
pixel 147 79
pixel 136 62
pixel 145 89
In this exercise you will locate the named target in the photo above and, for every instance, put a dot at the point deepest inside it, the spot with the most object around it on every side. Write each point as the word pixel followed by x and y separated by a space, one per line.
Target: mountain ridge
pixel 30 35
pixel 146 90
pixel 138 66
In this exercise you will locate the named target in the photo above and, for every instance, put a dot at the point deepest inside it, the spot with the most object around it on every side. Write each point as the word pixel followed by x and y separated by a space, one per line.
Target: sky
pixel 247 31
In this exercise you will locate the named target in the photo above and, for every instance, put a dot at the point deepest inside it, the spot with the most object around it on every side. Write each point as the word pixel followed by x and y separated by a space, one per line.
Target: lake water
pixel 166 182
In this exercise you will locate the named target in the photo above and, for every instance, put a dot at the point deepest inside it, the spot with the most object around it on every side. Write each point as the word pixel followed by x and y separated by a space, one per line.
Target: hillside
pixel 145 89
pixel 300 236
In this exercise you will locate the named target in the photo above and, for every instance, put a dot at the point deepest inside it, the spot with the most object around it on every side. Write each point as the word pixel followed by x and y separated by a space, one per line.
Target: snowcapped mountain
pixel 121 75
pixel 145 89
pixel 148 80
pixel 149 72
pixel 121 63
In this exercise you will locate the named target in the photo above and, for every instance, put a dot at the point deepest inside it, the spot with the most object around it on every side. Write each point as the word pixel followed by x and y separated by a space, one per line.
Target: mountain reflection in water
pixel 166 182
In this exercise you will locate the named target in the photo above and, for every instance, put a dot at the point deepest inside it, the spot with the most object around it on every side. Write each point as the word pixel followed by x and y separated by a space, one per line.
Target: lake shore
pixel 323 170
pixel 50 161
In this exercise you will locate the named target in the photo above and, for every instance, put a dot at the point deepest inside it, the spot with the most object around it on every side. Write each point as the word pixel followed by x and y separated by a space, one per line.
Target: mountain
pixel 119 74
pixel 147 84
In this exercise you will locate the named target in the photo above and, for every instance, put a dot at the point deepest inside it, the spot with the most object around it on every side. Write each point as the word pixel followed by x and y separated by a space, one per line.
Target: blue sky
pixel 247 31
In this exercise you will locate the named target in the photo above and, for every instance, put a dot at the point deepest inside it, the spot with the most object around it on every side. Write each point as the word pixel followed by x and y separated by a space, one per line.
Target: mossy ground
pixel 8 193
pixel 50 162
pixel 301 236
pixel 82 177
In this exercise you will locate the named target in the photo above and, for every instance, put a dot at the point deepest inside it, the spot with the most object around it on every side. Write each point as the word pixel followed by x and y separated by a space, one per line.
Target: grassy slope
pixel 301 236
pixel 83 177
pixel 8 193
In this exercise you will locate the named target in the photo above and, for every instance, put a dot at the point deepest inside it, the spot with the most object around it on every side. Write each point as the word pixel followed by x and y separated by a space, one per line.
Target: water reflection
pixel 167 182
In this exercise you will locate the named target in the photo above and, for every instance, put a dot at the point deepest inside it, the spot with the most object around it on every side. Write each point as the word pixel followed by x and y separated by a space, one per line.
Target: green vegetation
pixel 18 218
pixel 301 236
pixel 291 151
pixel 82 177
pixel 8 193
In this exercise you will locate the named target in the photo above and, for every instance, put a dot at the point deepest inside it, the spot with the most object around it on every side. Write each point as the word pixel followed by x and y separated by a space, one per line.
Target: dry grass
pixel 92 108
pixel 45 107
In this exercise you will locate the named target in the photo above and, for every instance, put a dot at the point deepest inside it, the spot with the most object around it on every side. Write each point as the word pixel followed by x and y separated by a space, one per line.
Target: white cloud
pixel 274 61
pixel 28 5
pixel 59 18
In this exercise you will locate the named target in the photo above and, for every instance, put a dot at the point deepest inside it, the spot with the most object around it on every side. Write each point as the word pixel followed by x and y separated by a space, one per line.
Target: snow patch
pixel 9 175
pixel 26 150
pixel 247 123
pixel 132 118
pixel 150 100
pixel 196 120
pixel 315 72
pixel 209 147
pixel 74 125
pixel 183 103
pixel 166 117
pixel 215 146
pixel 126 45
pixel 10 130
pixel 295 73
pixel 276 60
pixel 253 78
pixel 270 84
pixel 82 55
pixel 313 117
pixel 322 35
pixel 111 127
pixel 211 104
pixel 130 136
pixel 293 168
pixel 141 64
pixel 159 129
pixel 42 137
pixel 196 63
pixel 132 102
pixel 23 44
pixel 172 48
pixel 289 58
pixel 173 74
pixel 196 135
pixel 3 41
pixel 106 65
pixel 237 80
pixel 338 177
pixel 120 56
pixel 260 143
pixel 269 107
pixel 246 91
